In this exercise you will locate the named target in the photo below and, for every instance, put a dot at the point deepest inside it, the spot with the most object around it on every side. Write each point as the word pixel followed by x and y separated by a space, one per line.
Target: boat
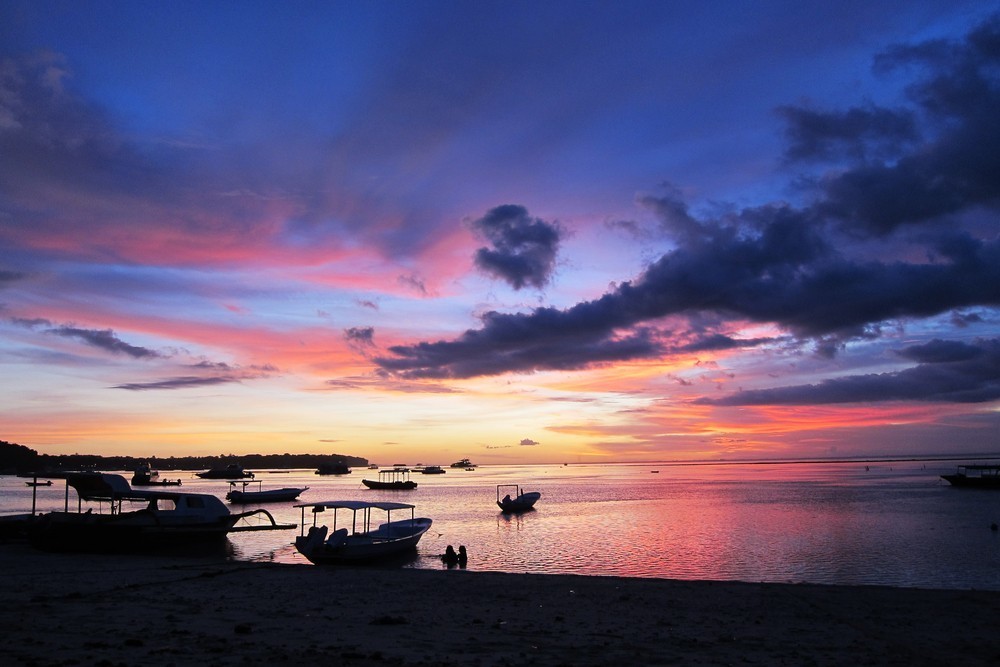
pixel 231 471
pixel 521 502
pixel 433 470
pixel 394 479
pixel 373 466
pixel 975 476
pixel 144 475
pixel 333 469
pixel 356 541
pixel 47 482
pixel 285 494
pixel 464 463
pixel 167 519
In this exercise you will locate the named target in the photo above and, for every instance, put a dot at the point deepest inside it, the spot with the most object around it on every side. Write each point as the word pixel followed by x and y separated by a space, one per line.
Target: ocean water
pixel 880 523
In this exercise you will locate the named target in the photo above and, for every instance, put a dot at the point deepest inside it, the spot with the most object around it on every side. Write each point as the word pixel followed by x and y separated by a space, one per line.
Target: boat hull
pixel 270 496
pixel 523 503
pixel 968 482
pixel 390 486
pixel 128 531
pixel 389 540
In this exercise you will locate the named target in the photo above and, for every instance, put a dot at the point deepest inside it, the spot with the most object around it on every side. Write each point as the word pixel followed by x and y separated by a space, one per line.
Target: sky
pixel 518 232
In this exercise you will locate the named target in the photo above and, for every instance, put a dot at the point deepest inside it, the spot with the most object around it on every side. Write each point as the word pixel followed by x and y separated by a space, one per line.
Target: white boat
pixel 284 494
pixel 167 518
pixel 356 541
pixel 520 502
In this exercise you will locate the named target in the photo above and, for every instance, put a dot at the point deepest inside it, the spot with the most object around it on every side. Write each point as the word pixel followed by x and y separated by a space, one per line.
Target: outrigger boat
pixel 361 543
pixel 243 496
pixel 394 479
pixel 169 518
pixel 521 502
pixel 975 476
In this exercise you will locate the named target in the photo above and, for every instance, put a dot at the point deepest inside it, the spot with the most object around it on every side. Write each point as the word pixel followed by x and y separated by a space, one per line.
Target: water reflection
pixel 892 524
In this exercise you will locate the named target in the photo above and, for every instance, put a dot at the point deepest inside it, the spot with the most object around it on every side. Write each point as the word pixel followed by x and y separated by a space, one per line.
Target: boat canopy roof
pixel 356 505
pixel 102 486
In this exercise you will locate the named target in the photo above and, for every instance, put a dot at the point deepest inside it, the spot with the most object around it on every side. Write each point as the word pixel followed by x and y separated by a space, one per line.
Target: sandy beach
pixel 58 609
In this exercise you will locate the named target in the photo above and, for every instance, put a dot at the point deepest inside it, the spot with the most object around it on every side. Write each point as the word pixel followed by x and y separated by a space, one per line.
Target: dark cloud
pixel 957 91
pixel 104 339
pixel 528 442
pixel 859 133
pixel 948 371
pixel 360 336
pixel 10 277
pixel 781 264
pixel 716 342
pixel 176 383
pixel 524 248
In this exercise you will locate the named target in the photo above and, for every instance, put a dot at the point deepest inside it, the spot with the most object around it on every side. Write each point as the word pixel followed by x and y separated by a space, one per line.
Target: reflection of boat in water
pixel 231 471
pixel 975 477
pixel 356 541
pixel 521 502
pixel 168 518
pixel 464 463
pixel 395 479
pixel 144 475
pixel 433 470
pixel 284 494
pixel 333 469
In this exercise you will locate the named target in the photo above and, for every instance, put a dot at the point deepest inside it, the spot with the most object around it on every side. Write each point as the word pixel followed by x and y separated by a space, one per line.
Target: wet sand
pixel 60 609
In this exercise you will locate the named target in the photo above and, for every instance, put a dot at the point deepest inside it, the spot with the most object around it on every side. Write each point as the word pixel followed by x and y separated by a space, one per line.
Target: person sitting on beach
pixel 463 557
pixel 450 557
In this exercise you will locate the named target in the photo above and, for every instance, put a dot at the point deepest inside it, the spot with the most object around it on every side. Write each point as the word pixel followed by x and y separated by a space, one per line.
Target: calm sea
pixel 893 523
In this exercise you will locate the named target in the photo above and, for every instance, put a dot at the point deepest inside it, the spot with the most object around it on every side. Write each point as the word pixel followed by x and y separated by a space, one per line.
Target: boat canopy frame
pixel 354 506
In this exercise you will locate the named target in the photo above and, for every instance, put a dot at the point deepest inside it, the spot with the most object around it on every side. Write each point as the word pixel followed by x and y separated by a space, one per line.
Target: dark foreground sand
pixel 135 610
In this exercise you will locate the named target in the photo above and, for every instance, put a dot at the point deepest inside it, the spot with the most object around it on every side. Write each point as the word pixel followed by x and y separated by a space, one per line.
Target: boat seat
pixel 337 537
pixel 315 537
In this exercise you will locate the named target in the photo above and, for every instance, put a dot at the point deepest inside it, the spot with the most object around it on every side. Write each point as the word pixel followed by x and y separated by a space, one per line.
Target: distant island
pixel 18 459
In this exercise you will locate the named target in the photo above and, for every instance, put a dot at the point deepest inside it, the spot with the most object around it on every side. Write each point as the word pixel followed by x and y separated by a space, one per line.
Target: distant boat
pixel 244 497
pixel 231 471
pixel 433 470
pixel 521 502
pixel 145 476
pixel 394 479
pixel 975 477
pixel 464 463
pixel 167 519
pixel 333 469
pixel 47 482
pixel 360 543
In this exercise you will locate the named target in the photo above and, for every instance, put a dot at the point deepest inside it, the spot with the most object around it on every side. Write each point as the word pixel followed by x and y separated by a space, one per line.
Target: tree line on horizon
pixel 19 459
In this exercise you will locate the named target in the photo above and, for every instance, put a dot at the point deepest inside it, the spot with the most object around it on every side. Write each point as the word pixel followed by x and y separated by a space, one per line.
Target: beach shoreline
pixel 131 609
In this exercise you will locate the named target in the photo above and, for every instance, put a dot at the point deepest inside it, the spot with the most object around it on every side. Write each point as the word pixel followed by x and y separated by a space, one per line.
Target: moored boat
pixel 356 541
pixel 394 479
pixel 144 475
pixel 231 471
pixel 463 463
pixel 522 501
pixel 433 470
pixel 47 482
pixel 167 519
pixel 980 476
pixel 333 469
pixel 284 494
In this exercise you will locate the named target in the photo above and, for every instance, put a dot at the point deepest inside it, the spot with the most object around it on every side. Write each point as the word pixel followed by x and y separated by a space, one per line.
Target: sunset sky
pixel 509 231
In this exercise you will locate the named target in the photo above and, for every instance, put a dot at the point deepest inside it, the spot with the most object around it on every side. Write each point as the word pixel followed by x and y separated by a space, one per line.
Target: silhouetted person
pixel 463 557
pixel 450 558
